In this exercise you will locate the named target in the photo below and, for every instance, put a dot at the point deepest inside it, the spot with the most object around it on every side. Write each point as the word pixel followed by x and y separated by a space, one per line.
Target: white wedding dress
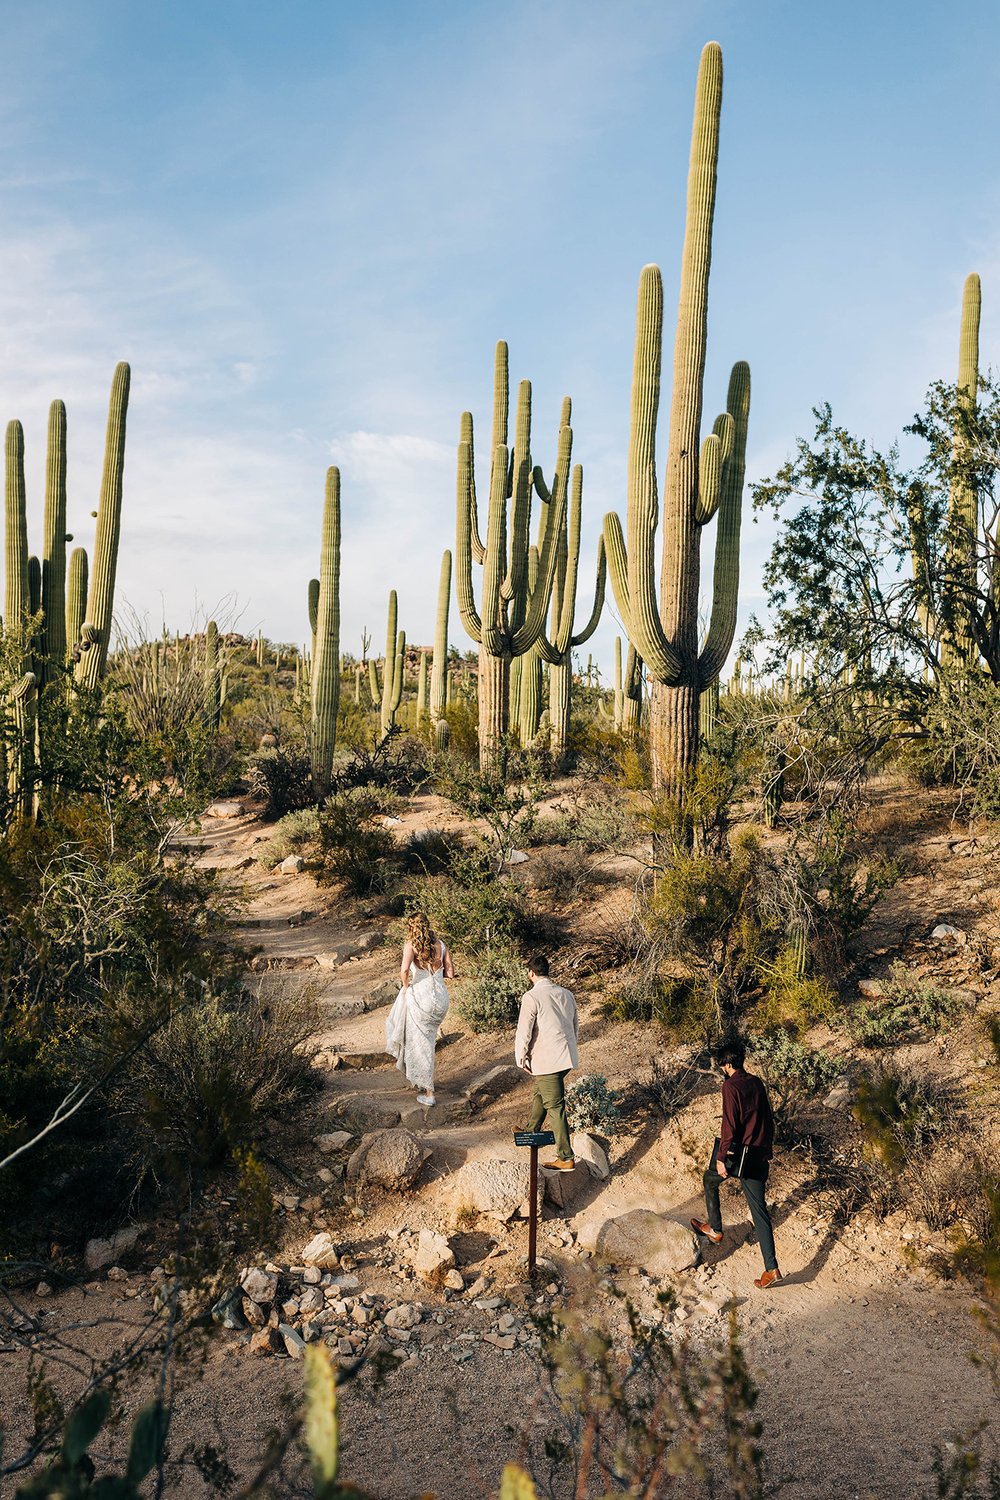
pixel 412 1025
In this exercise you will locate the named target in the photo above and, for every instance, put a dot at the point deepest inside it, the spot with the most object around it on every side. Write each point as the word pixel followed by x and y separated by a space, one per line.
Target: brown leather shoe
pixel 769 1279
pixel 700 1227
pixel 562 1166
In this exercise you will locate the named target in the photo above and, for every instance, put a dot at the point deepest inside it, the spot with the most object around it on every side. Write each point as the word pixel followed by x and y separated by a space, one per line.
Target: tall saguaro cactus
pixel 76 597
pixel 389 696
pixel 963 500
pixel 700 480
pixel 54 545
pixel 439 663
pixel 104 564
pixel 325 672
pixel 512 615
pixel 16 595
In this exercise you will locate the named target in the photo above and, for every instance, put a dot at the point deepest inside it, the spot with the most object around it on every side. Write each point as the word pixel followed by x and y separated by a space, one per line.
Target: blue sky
pixel 306 225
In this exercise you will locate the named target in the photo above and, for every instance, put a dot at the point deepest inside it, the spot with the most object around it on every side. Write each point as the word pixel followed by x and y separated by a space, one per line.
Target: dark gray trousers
pixel 753 1192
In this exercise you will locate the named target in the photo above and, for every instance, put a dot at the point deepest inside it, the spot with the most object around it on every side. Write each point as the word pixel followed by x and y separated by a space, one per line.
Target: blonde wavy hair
pixel 421 935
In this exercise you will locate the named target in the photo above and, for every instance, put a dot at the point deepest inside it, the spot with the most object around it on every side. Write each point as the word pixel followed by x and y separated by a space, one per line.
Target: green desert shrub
pixel 281 779
pixel 902 1112
pixel 472 908
pixel 490 1002
pixel 356 849
pixel 907 1010
pixel 292 834
pixel 794 1074
pixel 592 1105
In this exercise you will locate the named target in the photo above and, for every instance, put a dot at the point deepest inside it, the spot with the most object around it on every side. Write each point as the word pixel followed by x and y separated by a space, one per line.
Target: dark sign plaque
pixel 534 1138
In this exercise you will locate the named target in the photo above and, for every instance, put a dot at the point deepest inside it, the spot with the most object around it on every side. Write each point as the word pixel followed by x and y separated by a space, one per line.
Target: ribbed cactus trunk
pixel 325 673
pixel 392 672
pixel 104 564
pixel 700 481
pixel 312 595
pixel 16 593
pixel 21 768
pixel 439 665
pixel 708 711
pixel 422 680
pixel 632 694
pixel 958 646
pixel 213 676
pixel 54 546
pixel 76 598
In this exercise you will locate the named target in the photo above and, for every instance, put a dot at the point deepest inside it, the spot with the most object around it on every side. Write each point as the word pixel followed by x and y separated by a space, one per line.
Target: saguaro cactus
pixel 699 482
pixel 558 649
pixel 439 665
pixel 313 599
pixel 101 595
pixel 213 675
pixel 21 784
pixel 16 596
pixel 54 545
pixel 76 597
pixel 325 672
pixel 390 694
pixel 512 616
pixel 963 500
pixel 422 689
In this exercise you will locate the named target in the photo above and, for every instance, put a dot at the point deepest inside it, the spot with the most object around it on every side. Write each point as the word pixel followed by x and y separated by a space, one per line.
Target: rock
pixel 390 822
pixel 254 1313
pixel 228 1311
pixel 367 1112
pixel 295 1344
pixel 345 1347
pixel 292 864
pixel 311 1205
pixel 312 1276
pixel 328 960
pixel 117 1273
pixel 944 932
pixel 333 1140
pixel 433 1256
pixel 100 1253
pixel 650 1242
pixel 563 1188
pixel 225 810
pixel 312 1300
pixel 267 1341
pixel 517 857
pixel 391 1159
pixel 839 1096
pixel 43 1289
pixel 360 1315
pixel 430 1116
pixel 321 1252
pixel 871 989
pixel 587 1150
pixel 493 1186
pixel 492 1084
pixel 260 1286
pixel 383 994
pixel 344 1010
pixel 404 1316
pixel 454 1281
pixel 499 1340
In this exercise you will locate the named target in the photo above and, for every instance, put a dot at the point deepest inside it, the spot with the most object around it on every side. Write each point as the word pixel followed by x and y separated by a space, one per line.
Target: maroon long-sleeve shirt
pixel 746 1115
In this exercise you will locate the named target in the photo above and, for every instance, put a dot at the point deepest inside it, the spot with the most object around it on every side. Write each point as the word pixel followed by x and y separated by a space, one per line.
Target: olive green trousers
pixel 549 1098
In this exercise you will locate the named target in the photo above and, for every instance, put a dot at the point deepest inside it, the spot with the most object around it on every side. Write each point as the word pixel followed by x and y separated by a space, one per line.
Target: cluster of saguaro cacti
pixel 390 694
pixel 511 617
pixel 325 671
pixel 703 480
pixel 72 618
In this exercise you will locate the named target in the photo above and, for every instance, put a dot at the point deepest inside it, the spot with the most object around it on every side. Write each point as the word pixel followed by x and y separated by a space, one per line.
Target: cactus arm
pixel 514 589
pixel 76 597
pixel 466 435
pixel 389 669
pixel 422 688
pixel 15 529
pixel 599 591
pixel 617 559
pixel 398 665
pixel 312 598
pixel 725 601
pixel 54 547
pixel 538 602
pixel 101 597
pixel 373 687
pixel 464 502
pixel 439 664
pixel 568 566
pixel 709 479
pixel 325 670
pixel 493 635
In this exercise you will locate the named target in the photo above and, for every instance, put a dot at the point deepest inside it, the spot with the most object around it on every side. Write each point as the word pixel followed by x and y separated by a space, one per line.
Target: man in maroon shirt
pixel 747 1141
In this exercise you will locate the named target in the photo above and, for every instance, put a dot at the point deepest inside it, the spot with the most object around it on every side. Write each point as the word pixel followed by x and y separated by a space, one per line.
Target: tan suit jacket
pixel 547 1029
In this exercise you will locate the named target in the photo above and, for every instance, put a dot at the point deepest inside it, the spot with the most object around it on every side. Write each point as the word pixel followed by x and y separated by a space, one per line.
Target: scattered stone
pixel 500 1341
pixel 367 1112
pixel 454 1281
pixel 253 1312
pixel 325 1175
pixel 100 1253
pixel 225 810
pixel 433 1257
pixel 117 1273
pixel 391 1159
pixel 360 1315
pixel 650 1242
pixel 328 960
pixel 267 1341
pixel 870 989
pixel 562 1188
pixel 312 1300
pixel 517 857
pixel 945 932
pixel 260 1286
pixel 405 1316
pixel 345 1347
pixel 493 1186
pixel 333 1140
pixel 492 1084
pixel 320 1252
pixel 488 1304
pixel 587 1150
pixel 311 1205
pixel 312 1276
pixel 346 1283
pixel 292 864
pixel 228 1311
pixel 43 1289
pixel 839 1096
pixel 295 1344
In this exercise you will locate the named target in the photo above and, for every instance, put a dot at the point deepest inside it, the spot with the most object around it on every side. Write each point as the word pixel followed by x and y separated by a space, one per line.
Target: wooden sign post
pixel 534 1139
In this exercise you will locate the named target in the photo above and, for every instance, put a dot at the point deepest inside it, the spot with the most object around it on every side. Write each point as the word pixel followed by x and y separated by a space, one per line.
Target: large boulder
pixel 650 1242
pixel 586 1149
pixel 100 1253
pixel 563 1188
pixel 391 1159
pixel 495 1082
pixel 492 1186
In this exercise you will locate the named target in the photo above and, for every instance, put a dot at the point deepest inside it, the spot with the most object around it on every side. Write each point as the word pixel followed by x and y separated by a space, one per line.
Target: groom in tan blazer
pixel 548 1029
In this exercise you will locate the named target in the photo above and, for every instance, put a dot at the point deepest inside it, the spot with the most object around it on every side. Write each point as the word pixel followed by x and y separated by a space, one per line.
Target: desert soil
pixel 863 1356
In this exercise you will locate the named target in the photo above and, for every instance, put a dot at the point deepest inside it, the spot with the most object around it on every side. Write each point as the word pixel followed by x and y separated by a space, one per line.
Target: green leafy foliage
pixel 490 1002
pixel 794 1074
pixel 591 1104
pixel 907 1010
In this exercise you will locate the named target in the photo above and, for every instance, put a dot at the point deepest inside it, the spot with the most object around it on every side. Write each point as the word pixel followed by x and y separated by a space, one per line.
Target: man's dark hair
pixel 539 964
pixel 732 1053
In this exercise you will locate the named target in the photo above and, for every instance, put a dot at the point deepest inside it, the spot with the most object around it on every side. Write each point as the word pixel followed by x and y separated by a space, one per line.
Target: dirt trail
pixel 862 1359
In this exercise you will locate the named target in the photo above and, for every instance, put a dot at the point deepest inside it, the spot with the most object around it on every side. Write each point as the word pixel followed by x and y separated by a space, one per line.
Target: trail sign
pixel 534 1139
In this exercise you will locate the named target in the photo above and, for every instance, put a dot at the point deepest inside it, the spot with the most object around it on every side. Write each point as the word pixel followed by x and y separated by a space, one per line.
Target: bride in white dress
pixel 412 1025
